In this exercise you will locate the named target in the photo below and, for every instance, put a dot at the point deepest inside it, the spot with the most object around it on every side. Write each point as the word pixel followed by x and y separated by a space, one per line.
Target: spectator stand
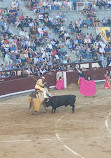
pixel 42 63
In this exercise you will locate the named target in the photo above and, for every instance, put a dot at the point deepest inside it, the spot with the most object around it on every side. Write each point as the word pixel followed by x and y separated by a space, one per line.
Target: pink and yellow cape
pixel 87 88
pixel 107 84
pixel 60 85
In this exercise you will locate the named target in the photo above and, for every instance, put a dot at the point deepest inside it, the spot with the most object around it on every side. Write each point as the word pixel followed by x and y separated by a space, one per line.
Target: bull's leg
pixel 73 107
pixel 53 110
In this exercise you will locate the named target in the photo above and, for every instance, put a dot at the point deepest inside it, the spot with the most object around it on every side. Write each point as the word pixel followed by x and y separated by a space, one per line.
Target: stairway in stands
pixel 71 15
pixel 101 13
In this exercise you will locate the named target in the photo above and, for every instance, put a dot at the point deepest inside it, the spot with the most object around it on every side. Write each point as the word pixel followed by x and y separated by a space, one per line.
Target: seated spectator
pixel 104 22
pixel 28 71
pixel 42 70
pixel 63 17
pixel 109 21
pixel 12 73
pixel 88 22
pixel 103 60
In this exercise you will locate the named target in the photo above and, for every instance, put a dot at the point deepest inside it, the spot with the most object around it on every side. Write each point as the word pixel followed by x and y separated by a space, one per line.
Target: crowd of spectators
pixel 106 22
pixel 86 46
pixel 36 6
pixel 22 52
pixel 36 51
pixel 106 4
pixel 91 18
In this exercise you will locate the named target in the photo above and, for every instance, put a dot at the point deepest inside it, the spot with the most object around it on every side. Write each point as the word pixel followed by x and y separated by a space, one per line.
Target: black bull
pixel 57 101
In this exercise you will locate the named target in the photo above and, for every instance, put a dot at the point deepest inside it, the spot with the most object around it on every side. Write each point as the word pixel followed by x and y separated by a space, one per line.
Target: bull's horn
pixel 47 100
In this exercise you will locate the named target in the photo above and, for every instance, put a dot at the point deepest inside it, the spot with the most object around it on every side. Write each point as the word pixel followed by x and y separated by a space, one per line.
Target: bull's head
pixel 47 102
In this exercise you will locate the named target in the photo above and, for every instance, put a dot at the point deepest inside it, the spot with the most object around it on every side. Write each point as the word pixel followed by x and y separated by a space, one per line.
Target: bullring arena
pixel 84 134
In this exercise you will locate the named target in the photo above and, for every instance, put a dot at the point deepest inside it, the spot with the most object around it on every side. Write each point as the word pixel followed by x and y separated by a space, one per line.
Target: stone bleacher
pixel 103 13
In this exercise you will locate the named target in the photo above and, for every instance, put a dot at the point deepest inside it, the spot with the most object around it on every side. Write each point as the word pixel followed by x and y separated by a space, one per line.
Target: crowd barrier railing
pixel 19 72
pixel 17 85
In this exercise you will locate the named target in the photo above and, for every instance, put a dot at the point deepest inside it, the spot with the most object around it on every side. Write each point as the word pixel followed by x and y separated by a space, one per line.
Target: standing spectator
pixel 74 4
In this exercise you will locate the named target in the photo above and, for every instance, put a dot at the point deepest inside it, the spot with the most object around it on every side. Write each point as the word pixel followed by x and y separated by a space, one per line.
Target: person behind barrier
pixel 89 78
pixel 81 73
pixel 40 86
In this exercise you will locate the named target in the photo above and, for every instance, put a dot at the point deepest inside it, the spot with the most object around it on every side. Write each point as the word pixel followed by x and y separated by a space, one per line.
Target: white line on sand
pixel 48 139
pixel 60 140
pixel 13 141
pixel 106 123
pixel 68 148
pixel 53 139
pixel 10 103
pixel 100 137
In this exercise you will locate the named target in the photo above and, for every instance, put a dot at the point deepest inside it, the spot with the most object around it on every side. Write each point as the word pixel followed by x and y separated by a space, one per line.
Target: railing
pixel 69 67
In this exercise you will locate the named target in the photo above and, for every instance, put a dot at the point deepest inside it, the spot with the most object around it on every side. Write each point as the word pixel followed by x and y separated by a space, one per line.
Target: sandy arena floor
pixel 84 134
